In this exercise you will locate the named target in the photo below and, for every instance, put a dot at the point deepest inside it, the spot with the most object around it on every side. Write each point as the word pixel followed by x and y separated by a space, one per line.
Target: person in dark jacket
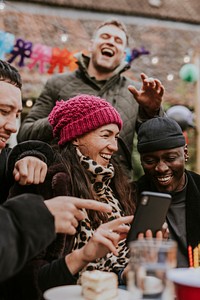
pixel 28 224
pixel 29 160
pixel 100 74
pixel 163 153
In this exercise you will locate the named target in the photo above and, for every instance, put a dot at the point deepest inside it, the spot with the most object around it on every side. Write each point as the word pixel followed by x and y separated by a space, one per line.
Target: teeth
pixel 108 52
pixel 164 179
pixel 106 156
pixel 3 140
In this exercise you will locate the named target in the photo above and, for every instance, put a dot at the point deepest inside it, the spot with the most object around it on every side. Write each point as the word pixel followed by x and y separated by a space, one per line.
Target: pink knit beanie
pixel 81 114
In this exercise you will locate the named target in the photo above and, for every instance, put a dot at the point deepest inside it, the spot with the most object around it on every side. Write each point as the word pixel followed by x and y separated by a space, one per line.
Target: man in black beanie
pixel 163 153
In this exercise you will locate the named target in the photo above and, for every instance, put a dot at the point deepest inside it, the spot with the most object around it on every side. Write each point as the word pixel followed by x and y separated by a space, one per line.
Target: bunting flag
pixel 22 49
pixel 59 58
pixel 41 54
pixel 7 41
pixel 47 59
pixel 134 53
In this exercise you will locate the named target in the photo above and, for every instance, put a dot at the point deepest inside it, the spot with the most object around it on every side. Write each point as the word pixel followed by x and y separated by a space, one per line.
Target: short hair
pixel 10 74
pixel 117 23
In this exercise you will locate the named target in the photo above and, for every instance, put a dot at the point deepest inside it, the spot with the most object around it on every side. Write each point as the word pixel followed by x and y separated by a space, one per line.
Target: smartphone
pixel 150 213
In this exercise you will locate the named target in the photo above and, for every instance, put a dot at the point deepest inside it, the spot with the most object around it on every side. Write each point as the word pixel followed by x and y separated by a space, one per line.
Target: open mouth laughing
pixel 107 52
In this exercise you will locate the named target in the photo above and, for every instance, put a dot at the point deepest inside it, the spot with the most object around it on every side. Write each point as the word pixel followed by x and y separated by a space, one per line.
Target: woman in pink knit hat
pixel 87 129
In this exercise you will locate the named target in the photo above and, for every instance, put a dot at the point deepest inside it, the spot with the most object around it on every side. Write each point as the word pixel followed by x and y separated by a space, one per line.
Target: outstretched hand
pixel 104 240
pixel 67 211
pixel 149 97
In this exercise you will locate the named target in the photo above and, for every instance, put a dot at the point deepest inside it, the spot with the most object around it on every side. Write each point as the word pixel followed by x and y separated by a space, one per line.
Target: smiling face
pixel 166 168
pixel 108 49
pixel 99 144
pixel 10 109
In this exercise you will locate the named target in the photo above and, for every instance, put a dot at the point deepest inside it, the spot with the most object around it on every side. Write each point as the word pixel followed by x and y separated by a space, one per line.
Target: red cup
pixel 184 292
pixel 186 282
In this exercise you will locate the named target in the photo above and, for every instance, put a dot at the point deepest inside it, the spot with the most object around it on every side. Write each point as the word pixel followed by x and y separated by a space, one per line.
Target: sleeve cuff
pixel 29 148
pixel 120 279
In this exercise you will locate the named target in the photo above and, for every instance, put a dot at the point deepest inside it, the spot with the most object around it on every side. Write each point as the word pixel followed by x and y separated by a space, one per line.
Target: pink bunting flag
pixel 40 55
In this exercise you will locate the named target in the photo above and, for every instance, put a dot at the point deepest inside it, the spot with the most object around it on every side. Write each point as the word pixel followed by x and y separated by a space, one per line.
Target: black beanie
pixel 159 133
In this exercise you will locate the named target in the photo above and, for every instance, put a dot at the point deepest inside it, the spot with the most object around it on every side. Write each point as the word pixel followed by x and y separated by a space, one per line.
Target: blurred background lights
pixel 2 5
pixel 156 3
pixel 154 60
pixel 64 37
pixel 189 72
pixel 186 59
pixel 170 77
pixel 29 103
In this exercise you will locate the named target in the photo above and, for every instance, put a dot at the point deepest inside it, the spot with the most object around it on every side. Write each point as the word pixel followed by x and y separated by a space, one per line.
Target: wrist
pixel 75 261
pixel 151 113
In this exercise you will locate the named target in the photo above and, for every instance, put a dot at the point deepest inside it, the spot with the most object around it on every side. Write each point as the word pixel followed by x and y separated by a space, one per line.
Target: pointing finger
pixel 92 204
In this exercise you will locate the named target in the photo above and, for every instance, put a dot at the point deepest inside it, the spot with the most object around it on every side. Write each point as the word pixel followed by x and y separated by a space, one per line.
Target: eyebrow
pixel 110 34
pixel 10 106
pixel 108 130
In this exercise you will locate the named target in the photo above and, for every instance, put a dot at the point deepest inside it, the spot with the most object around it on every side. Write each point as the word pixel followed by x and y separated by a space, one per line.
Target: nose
pixel 161 166
pixel 113 145
pixel 11 125
pixel 111 40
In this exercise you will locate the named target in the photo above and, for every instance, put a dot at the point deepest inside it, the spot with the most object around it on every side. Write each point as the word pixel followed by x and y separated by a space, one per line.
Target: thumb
pixel 16 176
pixel 133 91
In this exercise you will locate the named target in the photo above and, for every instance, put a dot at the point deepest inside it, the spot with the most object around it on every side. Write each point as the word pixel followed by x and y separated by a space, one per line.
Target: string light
pixel 64 37
pixel 156 3
pixel 170 77
pixel 186 59
pixel 2 5
pixel 29 103
pixel 154 60
pixel 188 56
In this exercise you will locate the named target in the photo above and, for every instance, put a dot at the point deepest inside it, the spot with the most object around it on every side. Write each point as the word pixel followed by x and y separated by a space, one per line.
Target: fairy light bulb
pixel 156 3
pixel 186 59
pixel 170 77
pixel 64 37
pixel 2 5
pixel 154 60
pixel 29 103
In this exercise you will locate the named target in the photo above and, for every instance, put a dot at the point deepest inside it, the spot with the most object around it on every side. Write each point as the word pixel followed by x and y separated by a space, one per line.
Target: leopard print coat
pixel 100 178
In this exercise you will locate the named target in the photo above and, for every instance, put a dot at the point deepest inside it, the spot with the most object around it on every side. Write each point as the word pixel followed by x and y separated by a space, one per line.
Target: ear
pixel 186 155
pixel 90 45
pixel 75 142
pixel 124 53
pixel 123 57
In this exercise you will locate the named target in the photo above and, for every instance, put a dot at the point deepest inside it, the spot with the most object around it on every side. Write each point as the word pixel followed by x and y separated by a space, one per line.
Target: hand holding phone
pixel 150 214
